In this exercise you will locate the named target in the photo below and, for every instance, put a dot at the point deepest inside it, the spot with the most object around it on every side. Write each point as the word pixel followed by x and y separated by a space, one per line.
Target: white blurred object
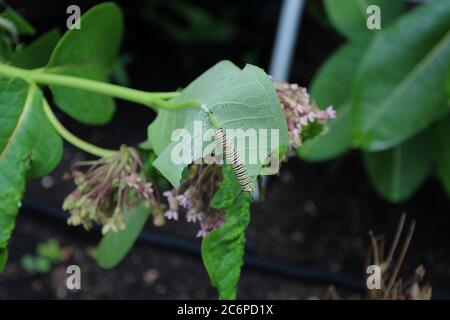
pixel 286 39
pixel 283 50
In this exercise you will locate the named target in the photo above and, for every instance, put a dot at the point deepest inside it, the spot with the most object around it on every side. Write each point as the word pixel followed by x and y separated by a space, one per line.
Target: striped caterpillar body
pixel 232 158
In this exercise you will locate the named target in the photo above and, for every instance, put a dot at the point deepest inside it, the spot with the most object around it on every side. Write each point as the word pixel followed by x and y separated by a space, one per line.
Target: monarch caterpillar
pixel 232 158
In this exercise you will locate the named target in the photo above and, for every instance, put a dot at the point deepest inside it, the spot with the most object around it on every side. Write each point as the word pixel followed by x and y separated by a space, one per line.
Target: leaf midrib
pixel 435 51
pixel 27 106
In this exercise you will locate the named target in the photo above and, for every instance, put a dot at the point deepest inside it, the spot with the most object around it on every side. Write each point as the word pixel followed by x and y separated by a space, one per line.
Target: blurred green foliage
pixel 47 255
pixel 189 23
pixel 388 89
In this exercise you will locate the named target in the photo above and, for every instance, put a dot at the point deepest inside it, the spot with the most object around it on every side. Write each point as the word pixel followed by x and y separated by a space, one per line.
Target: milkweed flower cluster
pixel 112 186
pixel 193 196
pixel 108 189
pixel 300 111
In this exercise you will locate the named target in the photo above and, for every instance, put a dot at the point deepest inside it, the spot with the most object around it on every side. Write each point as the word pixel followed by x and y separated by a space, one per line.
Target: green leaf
pixel 447 84
pixel 229 190
pixel 398 90
pixel 42 265
pixel 441 150
pixel 37 53
pixel 223 248
pixel 29 147
pixel 350 16
pixel 398 172
pixel 50 250
pixel 115 245
pixel 188 22
pixel 332 86
pixel 209 83
pixel 3 258
pixel 88 53
pixel 28 262
pixel 22 25
pixel 239 99
pixel 6 48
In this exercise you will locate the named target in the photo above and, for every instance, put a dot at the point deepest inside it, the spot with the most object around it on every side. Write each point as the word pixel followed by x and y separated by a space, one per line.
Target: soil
pixel 315 215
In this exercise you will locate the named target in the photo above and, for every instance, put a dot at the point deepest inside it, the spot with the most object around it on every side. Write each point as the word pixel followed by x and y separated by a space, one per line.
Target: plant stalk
pixel 71 138
pixel 153 100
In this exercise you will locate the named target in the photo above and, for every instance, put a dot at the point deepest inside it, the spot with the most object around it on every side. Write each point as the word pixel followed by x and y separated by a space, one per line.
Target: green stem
pixel 71 138
pixel 154 100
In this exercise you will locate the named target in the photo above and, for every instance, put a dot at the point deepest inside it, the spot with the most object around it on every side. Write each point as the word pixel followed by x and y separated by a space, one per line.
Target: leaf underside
pixel 239 99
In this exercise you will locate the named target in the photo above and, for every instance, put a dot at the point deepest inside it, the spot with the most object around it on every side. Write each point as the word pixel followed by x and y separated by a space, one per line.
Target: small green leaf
pixel 42 265
pixel 22 25
pixel 3 258
pixel 398 91
pixel 223 248
pixel 398 172
pixel 115 245
pixel 332 86
pixel 239 99
pixel 37 53
pixel 88 53
pixel 50 250
pixel 28 262
pixel 350 16
pixel 29 147
pixel 441 150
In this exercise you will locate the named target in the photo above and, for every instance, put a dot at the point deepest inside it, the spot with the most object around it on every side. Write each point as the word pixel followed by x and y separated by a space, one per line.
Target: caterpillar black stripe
pixel 232 158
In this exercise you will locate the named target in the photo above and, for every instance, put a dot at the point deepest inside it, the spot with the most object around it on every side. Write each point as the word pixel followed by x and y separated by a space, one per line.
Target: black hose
pixel 191 247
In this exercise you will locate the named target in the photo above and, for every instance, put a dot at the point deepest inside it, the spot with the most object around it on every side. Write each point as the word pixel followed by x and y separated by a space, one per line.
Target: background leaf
pixel 350 18
pixel 398 172
pixel 115 245
pixel 447 83
pixel 441 150
pixel 397 91
pixel 239 99
pixel 37 53
pixel 223 248
pixel 29 147
pixel 3 258
pixel 22 25
pixel 229 190
pixel 88 53
pixel 332 86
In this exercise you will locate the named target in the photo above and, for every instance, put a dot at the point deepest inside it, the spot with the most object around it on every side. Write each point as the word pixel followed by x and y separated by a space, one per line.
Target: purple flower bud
pixel 171 215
